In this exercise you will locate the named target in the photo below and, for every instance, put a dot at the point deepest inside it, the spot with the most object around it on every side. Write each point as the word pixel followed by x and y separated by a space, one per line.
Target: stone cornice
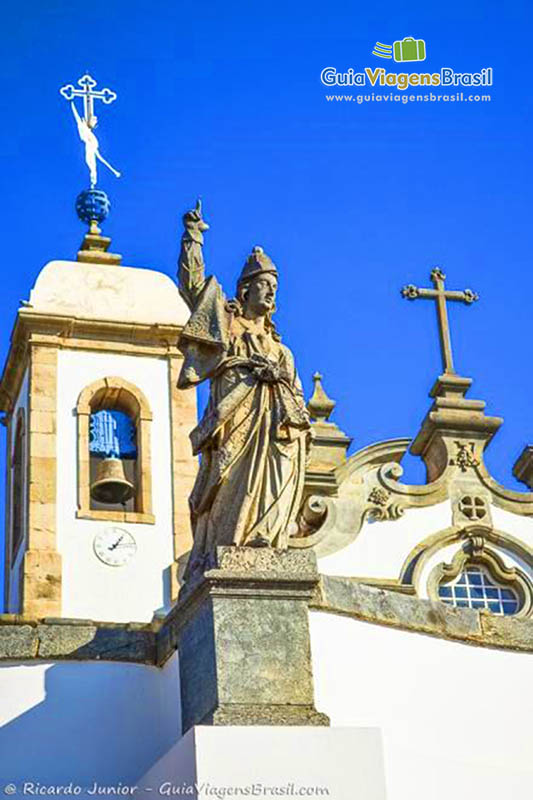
pixel 508 499
pixel 348 597
pixel 30 640
pixel 373 455
pixel 68 332
pixel 25 639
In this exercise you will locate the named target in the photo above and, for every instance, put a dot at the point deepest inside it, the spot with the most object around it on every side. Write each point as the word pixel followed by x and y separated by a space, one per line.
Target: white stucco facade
pixel 455 719
pixel 80 722
pixel 92 589
pixel 261 761
pixel 380 548
pixel 122 729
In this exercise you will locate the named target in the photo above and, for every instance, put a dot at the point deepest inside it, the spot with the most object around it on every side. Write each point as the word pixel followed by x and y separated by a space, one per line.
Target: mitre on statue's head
pixel 256 263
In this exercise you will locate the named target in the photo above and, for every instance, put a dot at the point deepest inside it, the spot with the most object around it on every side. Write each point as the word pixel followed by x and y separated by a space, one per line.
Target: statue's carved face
pixel 260 295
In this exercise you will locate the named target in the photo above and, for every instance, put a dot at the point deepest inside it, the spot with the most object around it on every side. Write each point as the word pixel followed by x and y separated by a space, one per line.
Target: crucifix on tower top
pixel 88 121
pixel 440 294
pixel 89 95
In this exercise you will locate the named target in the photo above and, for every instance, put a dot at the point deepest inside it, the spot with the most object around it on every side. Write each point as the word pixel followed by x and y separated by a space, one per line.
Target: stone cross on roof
pixel 441 295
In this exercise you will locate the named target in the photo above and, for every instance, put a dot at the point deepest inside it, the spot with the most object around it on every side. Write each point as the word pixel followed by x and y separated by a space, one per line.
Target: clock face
pixel 115 546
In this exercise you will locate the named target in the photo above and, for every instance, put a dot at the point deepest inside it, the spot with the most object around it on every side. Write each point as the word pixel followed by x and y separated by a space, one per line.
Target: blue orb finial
pixel 92 205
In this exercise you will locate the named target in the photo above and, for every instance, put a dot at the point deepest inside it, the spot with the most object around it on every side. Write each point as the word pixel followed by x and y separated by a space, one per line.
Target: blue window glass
pixel 475 588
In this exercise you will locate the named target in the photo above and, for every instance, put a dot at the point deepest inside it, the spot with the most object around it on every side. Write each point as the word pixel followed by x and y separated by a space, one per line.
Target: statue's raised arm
pixel 191 267
pixel 204 339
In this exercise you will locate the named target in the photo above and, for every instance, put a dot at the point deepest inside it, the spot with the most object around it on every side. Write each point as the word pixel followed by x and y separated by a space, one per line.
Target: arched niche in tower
pixel 114 467
pixel 115 394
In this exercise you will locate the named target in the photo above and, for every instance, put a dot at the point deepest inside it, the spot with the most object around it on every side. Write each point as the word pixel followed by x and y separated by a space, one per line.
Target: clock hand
pixel 113 546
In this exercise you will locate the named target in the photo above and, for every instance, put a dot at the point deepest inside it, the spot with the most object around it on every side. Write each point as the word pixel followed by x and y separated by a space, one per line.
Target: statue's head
pixel 258 295
pixel 258 283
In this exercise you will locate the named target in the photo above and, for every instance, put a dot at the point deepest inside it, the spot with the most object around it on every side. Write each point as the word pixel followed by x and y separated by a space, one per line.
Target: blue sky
pixel 351 200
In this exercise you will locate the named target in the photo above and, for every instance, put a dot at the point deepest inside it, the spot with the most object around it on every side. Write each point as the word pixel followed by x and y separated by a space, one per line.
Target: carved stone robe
pixel 253 435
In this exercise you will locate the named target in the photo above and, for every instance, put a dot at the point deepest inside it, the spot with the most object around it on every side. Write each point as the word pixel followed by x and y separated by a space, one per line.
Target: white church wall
pixel 81 722
pixel 456 719
pixel 92 589
pixel 14 572
pixel 518 526
pixel 380 549
pixel 272 761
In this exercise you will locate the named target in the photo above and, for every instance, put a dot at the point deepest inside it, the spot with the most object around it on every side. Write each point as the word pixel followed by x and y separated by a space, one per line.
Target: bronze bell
pixel 111 484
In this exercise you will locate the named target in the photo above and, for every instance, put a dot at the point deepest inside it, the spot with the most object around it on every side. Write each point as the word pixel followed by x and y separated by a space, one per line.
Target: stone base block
pixel 242 633
pixel 337 763
pixel 266 715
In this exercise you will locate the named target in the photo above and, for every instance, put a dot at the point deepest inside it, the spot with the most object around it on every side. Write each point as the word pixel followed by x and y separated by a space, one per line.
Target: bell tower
pixel 99 464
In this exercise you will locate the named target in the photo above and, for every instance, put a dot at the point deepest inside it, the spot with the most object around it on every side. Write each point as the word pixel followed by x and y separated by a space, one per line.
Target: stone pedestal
pixel 242 635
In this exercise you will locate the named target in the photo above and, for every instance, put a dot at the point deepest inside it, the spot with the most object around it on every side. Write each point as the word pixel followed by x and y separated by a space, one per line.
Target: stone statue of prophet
pixel 254 434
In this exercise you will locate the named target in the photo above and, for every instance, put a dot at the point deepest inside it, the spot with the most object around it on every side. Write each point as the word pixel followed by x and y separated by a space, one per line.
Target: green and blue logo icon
pixel 407 49
pixel 382 50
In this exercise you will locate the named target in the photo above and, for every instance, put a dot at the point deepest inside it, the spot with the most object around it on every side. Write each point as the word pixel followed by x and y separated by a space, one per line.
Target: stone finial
pixel 328 446
pixel 320 406
pixel 92 207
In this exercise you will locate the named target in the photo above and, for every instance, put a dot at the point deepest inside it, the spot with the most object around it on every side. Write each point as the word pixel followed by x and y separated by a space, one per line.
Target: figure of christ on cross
pixel 441 295
pixel 88 122
pixel 92 151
